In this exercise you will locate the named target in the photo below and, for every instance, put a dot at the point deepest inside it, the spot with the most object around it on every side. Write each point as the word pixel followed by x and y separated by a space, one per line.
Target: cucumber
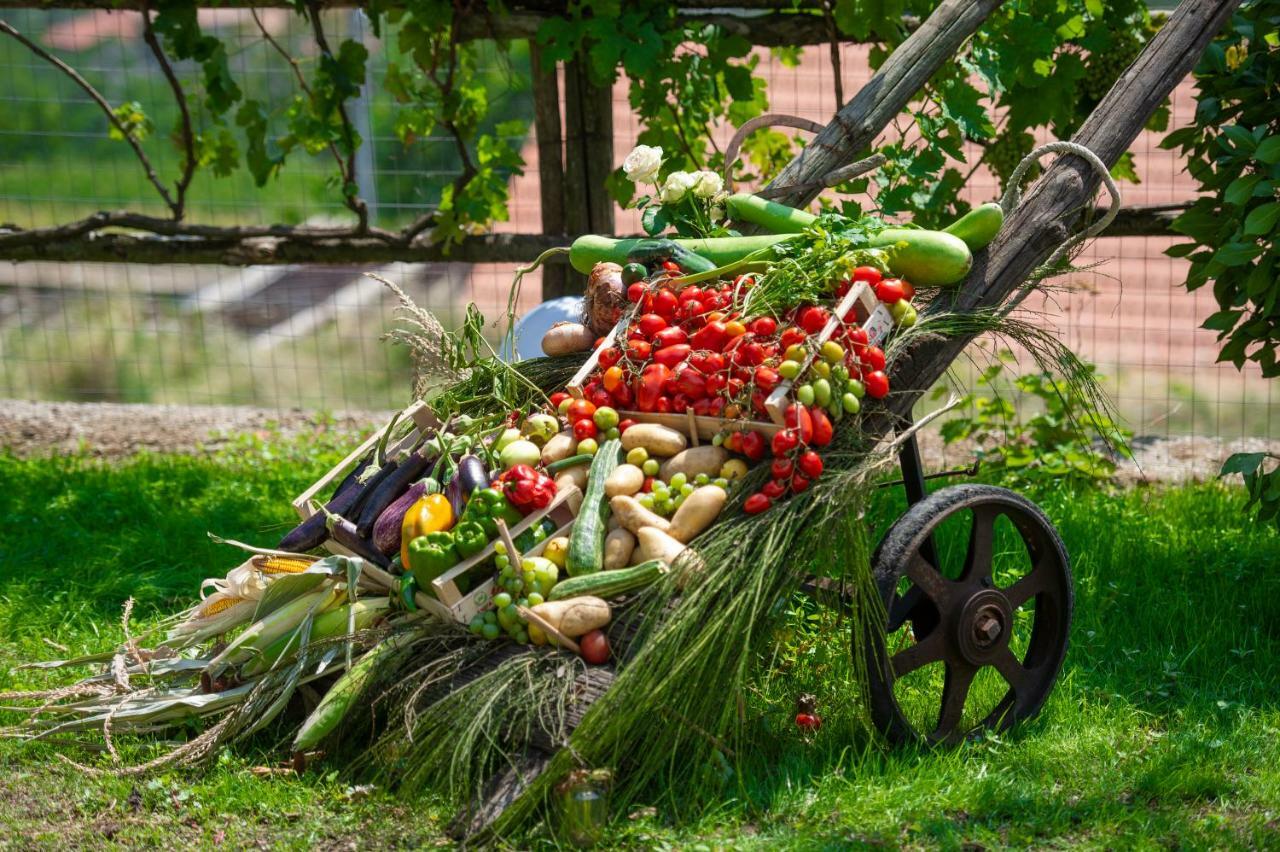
pixel 979 226
pixel 586 539
pixel 925 258
pixel 776 218
pixel 590 249
pixel 609 584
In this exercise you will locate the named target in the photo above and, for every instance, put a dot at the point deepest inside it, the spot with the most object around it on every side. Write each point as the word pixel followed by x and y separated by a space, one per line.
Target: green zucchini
pixel 925 258
pixel 571 461
pixel 979 226
pixel 586 539
pixel 774 217
pixel 590 249
pixel 609 584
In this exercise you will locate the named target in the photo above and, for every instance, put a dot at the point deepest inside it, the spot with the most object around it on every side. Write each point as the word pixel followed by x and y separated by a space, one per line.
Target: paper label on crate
pixel 879 324
pixel 476 602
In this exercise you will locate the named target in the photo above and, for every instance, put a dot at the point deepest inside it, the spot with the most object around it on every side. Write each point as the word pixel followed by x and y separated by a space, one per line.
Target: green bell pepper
pixel 486 506
pixel 470 538
pixel 431 555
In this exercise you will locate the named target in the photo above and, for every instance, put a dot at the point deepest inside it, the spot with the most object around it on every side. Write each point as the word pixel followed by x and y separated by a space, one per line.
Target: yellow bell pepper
pixel 430 514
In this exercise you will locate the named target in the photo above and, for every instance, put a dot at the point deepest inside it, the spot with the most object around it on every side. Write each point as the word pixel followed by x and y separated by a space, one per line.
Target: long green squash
pixel 609 584
pixel 586 539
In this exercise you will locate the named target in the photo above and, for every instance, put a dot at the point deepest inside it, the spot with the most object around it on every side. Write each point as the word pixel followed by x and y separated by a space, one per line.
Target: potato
pixel 559 447
pixel 655 544
pixel 575 616
pixel 565 338
pixel 657 440
pixel 619 544
pixel 577 477
pixel 626 479
pixel 693 461
pixel 697 512
pixel 633 516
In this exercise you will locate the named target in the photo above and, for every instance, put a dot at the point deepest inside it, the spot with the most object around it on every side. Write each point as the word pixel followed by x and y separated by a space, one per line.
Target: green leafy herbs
pixel 1234 155
pixel 1059 440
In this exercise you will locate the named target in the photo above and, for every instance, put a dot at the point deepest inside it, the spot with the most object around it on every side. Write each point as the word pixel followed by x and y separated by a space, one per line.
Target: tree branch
pixel 347 170
pixel 97 97
pixel 179 203
pixel 903 74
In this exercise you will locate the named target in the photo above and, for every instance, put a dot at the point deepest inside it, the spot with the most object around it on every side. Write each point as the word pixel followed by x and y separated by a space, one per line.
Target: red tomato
pixel 625 425
pixel 767 378
pixel 711 336
pixel 868 274
pixel 702 407
pixel 857 338
pixel 753 445
pixel 842 288
pixel 733 443
pixel 873 358
pixel 647 487
pixel 756 504
pixel 716 382
pixel 890 290
pixel 557 398
pixel 669 356
pixel 622 396
pixel 600 397
pixel 636 291
pixel 609 357
pixel 670 336
pixel 671 266
pixel 580 409
pixel 877 384
pixel 690 382
pixel 748 354
pixel 764 326
pixel 908 292
pixel 791 336
pixel 717 406
pixel 708 362
pixel 594 647
pixel 797 417
pixel 583 429
pixel 639 350
pixel 781 468
pixel 650 324
pixel 757 403
pixel 810 464
pixel 663 405
pixel 680 404
pixel 799 483
pixel 599 342
pixel 812 319
pixel 664 303
pixel 823 430
pixel 773 489
pixel 692 293
pixel 690 311
pixel 784 441
pixel 648 387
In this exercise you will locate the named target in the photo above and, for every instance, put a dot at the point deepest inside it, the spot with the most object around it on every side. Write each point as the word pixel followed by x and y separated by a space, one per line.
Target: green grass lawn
pixel 1164 730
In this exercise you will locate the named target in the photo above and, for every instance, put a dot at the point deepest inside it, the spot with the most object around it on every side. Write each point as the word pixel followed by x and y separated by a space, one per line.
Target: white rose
pixel 707 184
pixel 642 164
pixel 677 185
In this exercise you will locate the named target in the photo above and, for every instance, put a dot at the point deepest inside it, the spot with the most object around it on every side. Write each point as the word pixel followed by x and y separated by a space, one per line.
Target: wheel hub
pixel 984 626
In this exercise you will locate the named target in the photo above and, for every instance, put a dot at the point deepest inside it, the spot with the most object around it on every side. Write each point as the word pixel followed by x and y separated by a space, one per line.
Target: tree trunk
pixel 546 123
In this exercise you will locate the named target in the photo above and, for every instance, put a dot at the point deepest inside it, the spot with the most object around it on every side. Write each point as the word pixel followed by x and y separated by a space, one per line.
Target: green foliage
pixel 1234 155
pixel 1059 441
pixel 1262 484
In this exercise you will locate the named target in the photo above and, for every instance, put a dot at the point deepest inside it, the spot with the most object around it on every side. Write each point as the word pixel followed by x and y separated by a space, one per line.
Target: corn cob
pixel 258 636
pixel 330 624
pixel 272 565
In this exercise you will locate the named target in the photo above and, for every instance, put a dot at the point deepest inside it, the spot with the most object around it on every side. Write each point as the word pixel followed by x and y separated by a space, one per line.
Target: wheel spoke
pixel 928 580
pixel 954 694
pixel 920 654
pixel 903 606
pixel 1014 673
pixel 1032 583
pixel 978 559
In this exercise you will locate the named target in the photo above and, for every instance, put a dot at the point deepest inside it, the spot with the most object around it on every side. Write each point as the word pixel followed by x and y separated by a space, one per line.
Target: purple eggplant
pixel 312 532
pixel 353 475
pixel 344 533
pixel 386 532
pixel 411 468
pixel 470 475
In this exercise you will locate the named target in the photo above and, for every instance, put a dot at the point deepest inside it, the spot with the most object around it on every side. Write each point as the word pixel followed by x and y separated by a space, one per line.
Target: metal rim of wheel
pixel 967 623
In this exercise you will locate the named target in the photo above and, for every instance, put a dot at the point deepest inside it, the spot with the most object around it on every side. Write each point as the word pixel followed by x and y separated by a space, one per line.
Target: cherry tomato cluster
pixel 693 349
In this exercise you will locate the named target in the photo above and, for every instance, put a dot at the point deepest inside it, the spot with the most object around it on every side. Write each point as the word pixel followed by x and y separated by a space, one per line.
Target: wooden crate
pixel 452 603
pixel 309 502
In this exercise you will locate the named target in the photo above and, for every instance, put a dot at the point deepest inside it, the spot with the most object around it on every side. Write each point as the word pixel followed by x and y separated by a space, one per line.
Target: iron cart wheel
pixel 974 619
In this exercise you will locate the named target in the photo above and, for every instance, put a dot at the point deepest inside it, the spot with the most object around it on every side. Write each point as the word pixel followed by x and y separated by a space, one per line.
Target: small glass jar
pixel 584 806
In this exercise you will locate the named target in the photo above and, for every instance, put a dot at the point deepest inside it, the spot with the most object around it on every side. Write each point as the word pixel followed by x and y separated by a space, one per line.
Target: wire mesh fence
pixel 301 336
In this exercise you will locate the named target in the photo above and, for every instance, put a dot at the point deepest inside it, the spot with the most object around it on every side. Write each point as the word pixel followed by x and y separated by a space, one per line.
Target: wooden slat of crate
pixel 445 585
pixel 307 503
pixel 481 598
